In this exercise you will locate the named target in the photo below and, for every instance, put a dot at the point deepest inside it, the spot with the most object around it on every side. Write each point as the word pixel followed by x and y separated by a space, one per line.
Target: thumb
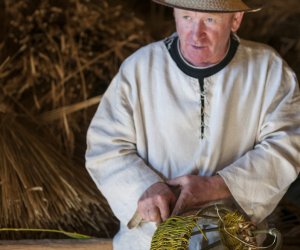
pixel 179 206
pixel 175 182
pixel 175 187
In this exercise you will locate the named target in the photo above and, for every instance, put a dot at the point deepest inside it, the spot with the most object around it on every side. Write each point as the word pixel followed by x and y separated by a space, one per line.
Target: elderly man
pixel 202 110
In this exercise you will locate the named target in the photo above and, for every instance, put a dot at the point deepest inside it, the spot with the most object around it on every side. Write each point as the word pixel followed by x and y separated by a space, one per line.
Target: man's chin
pixel 198 61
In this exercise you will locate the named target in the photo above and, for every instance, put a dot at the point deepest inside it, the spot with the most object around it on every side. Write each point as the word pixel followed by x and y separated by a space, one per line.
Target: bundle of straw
pixel 235 231
pixel 57 58
pixel 61 53
pixel 40 188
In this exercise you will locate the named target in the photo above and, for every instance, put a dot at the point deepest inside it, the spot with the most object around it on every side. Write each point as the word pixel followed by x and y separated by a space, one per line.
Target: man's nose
pixel 199 30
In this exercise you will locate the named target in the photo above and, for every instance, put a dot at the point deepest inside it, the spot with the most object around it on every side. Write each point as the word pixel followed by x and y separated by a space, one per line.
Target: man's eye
pixel 210 20
pixel 187 18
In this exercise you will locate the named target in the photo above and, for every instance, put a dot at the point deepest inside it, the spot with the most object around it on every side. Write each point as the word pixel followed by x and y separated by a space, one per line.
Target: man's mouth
pixel 198 47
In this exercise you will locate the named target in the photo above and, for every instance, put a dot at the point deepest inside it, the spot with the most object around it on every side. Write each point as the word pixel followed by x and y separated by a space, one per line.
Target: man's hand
pixel 197 191
pixel 156 203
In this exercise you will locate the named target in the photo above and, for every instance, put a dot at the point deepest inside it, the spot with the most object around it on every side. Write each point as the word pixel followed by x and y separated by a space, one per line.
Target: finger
pixel 179 206
pixel 153 214
pixel 174 182
pixel 173 201
pixel 143 210
pixel 164 210
pixel 178 181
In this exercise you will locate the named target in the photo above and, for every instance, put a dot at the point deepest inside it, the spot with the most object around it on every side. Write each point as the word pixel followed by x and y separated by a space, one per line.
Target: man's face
pixel 204 37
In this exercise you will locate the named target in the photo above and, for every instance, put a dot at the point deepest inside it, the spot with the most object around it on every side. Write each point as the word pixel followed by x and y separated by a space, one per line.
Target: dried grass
pixel 57 58
pixel 277 24
pixel 40 188
pixel 58 54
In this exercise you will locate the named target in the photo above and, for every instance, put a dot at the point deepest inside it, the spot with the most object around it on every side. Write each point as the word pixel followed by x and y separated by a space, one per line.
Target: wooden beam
pixel 91 244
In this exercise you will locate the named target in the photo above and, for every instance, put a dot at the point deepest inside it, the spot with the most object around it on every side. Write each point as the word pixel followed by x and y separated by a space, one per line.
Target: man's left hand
pixel 197 191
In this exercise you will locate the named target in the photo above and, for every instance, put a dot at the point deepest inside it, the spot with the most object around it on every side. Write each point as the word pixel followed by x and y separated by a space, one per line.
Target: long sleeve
pixel 259 178
pixel 111 157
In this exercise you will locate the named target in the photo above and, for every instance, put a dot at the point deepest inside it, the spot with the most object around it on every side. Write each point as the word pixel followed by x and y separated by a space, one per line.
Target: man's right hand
pixel 156 203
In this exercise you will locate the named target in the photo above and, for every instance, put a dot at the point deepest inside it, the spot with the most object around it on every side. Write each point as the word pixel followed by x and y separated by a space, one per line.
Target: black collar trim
pixel 172 46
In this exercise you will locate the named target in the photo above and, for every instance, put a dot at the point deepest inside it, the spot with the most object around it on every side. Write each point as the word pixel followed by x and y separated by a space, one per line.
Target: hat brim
pixel 186 5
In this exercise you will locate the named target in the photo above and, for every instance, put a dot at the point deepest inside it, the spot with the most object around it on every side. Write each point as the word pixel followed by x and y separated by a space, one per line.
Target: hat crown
pixel 207 5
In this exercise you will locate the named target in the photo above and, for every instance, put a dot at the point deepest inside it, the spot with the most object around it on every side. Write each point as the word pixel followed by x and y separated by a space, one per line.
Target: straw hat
pixel 209 5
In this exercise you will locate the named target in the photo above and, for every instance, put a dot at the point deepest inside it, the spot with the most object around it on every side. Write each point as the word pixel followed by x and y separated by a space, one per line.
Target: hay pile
pixel 57 58
pixel 277 24
pixel 40 189
pixel 61 53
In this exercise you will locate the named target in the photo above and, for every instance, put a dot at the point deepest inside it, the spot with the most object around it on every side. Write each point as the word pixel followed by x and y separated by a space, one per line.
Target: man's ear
pixel 236 21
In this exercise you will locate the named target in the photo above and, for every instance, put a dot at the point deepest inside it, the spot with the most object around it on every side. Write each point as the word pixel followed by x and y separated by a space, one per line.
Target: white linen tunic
pixel 161 118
